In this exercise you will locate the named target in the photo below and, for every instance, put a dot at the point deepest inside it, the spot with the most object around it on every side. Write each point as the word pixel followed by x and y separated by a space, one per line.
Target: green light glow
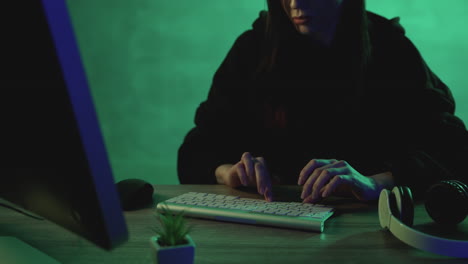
pixel 150 64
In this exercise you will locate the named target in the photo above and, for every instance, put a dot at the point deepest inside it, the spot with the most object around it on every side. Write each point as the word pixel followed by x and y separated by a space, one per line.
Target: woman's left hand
pixel 322 177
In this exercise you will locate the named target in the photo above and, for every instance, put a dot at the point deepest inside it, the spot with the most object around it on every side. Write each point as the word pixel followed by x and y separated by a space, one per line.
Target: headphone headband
pixel 417 239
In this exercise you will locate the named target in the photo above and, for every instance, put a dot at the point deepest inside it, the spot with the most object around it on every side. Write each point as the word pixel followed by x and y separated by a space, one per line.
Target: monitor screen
pixel 54 161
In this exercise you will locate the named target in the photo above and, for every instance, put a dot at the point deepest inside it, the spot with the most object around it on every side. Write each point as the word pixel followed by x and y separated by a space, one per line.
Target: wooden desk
pixel 352 236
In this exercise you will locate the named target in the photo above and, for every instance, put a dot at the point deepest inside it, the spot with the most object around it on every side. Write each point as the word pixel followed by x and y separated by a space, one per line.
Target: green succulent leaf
pixel 172 227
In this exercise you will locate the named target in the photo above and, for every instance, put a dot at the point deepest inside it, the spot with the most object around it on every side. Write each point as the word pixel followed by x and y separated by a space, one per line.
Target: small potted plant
pixel 172 243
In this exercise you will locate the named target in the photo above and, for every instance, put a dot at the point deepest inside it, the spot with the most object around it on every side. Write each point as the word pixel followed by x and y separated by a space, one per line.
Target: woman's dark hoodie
pixel 303 110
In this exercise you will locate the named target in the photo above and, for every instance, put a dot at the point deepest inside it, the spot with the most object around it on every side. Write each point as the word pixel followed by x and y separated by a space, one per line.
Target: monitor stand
pixel 15 251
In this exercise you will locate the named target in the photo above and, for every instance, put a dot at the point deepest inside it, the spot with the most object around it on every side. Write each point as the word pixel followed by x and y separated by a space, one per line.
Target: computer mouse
pixel 135 194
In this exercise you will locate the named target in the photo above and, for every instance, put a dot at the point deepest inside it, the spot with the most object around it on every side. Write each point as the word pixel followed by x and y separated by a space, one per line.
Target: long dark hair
pixel 351 40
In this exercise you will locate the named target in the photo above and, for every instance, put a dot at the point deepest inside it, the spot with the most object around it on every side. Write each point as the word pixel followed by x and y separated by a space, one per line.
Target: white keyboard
pixel 293 215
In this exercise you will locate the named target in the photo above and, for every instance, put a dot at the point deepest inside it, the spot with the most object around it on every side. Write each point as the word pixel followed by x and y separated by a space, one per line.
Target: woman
pixel 323 94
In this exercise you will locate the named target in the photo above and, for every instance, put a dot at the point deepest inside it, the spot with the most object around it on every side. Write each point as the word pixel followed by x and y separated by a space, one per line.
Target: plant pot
pixel 180 254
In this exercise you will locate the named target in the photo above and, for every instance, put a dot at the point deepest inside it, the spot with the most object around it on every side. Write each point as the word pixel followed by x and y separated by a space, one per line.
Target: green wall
pixel 150 63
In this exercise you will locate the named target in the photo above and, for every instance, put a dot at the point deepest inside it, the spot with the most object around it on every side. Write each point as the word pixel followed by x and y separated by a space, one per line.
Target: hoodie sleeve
pixel 222 121
pixel 430 143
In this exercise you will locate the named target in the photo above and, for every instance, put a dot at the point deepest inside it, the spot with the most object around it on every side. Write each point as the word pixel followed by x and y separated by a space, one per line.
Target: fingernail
pixel 324 194
pixel 267 195
pixel 311 199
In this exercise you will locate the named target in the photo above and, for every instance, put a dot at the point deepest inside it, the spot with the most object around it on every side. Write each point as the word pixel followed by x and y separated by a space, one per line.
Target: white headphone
pixel 443 204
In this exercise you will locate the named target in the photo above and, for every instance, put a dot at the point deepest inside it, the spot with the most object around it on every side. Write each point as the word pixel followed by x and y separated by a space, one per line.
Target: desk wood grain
pixel 353 235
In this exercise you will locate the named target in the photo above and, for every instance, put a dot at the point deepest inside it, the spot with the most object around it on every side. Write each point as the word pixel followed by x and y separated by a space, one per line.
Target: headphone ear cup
pixel 404 204
pixel 393 205
pixel 447 202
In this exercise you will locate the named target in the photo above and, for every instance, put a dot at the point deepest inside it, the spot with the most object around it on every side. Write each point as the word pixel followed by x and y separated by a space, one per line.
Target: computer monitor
pixel 54 161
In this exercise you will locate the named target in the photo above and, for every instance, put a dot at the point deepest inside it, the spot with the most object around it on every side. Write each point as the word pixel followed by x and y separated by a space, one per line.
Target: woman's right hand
pixel 249 171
